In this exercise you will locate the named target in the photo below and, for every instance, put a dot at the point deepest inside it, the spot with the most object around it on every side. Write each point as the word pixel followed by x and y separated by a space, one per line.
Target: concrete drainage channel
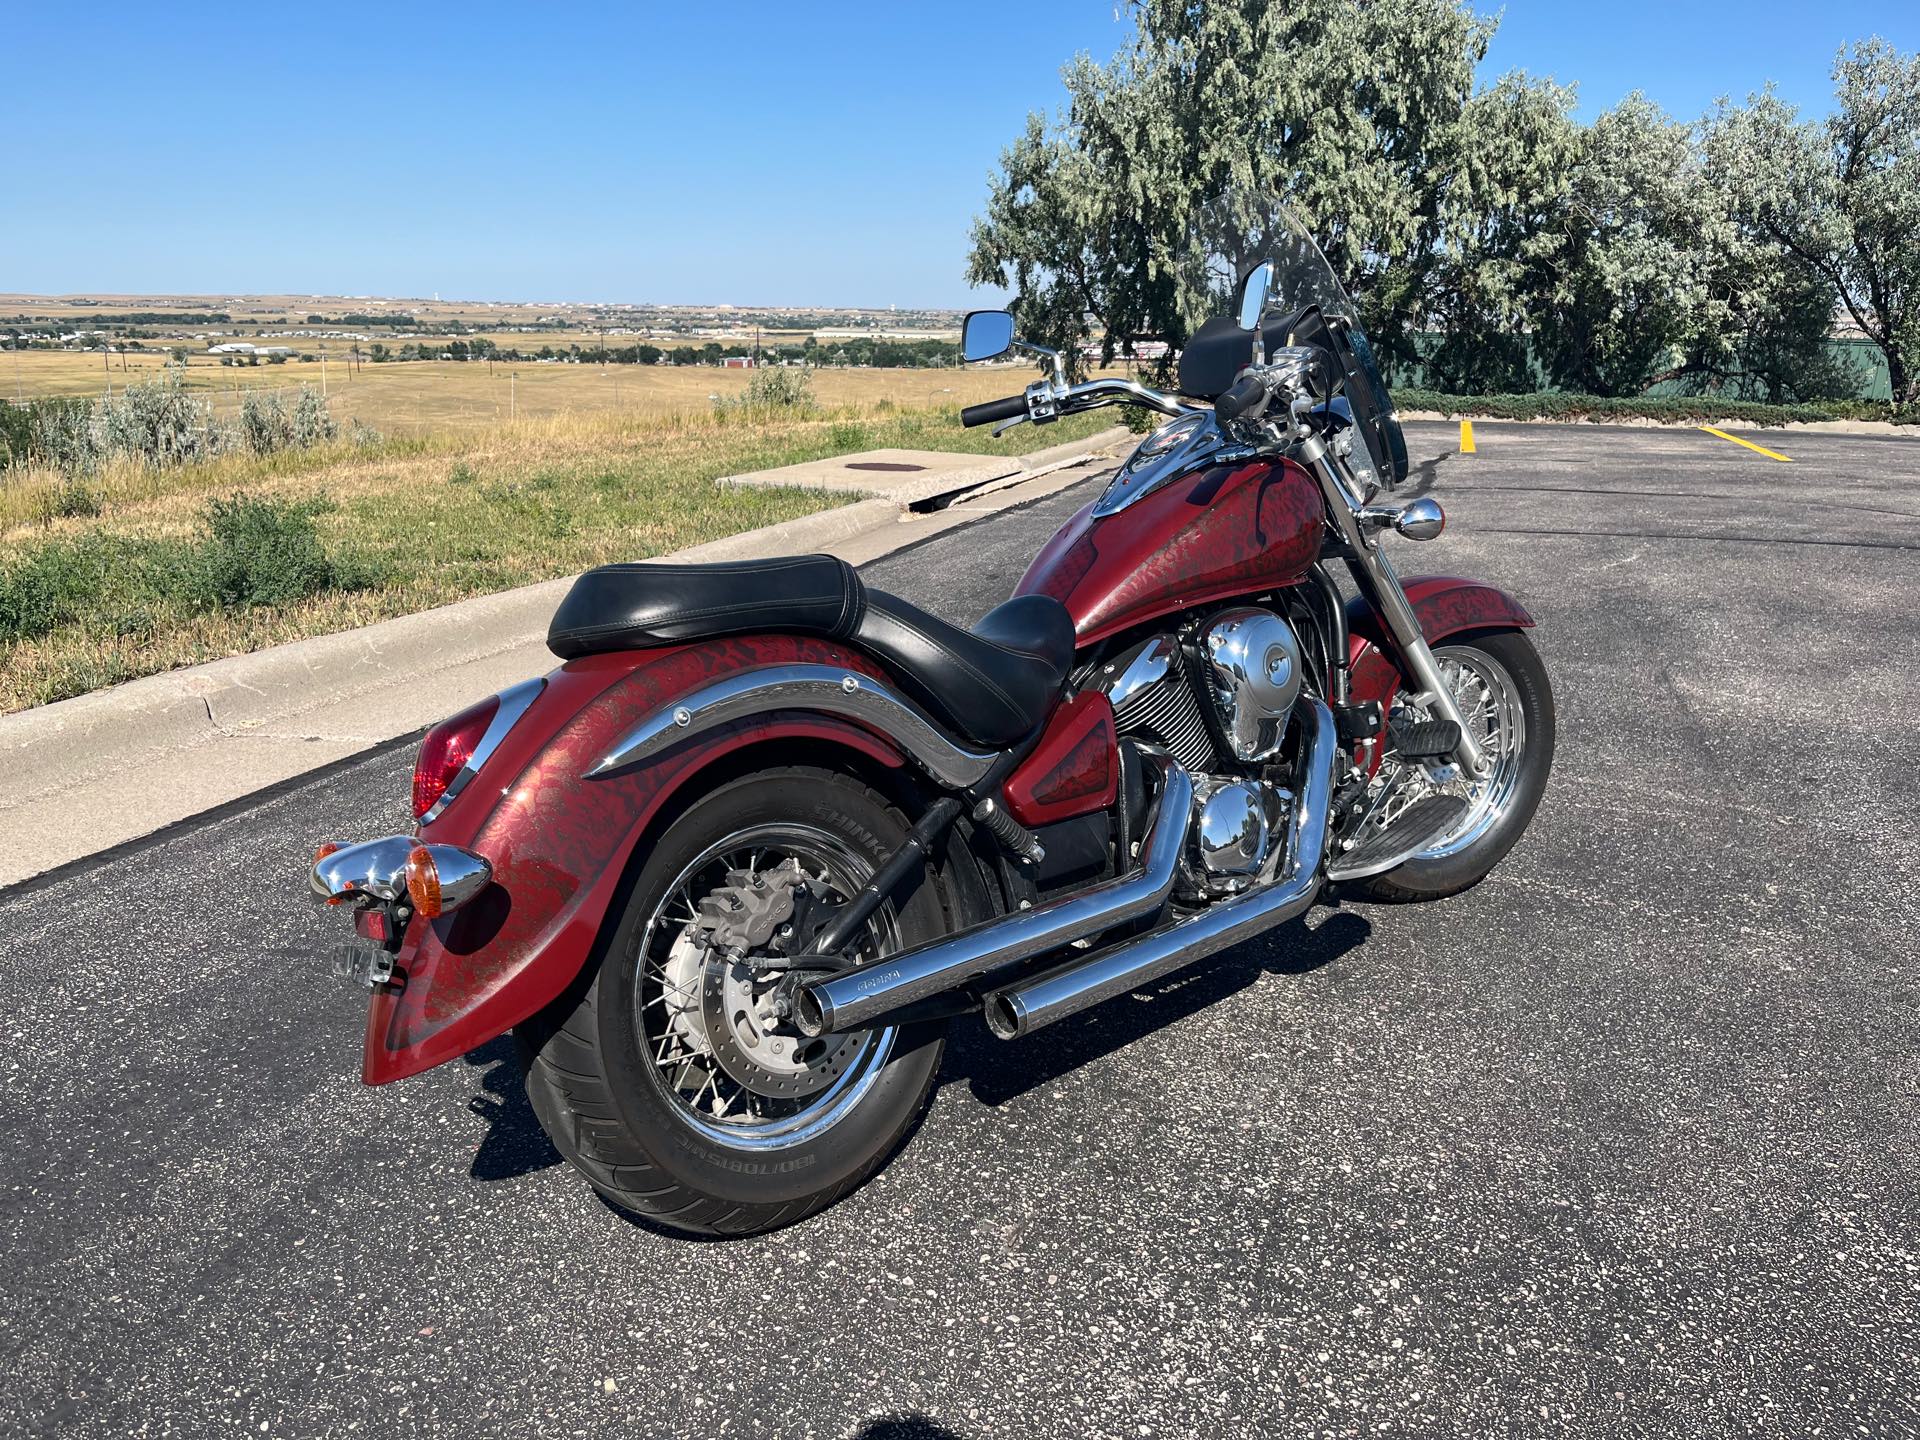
pixel 83 775
pixel 927 481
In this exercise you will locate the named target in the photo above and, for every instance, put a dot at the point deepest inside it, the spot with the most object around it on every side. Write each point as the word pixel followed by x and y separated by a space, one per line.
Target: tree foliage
pixel 1490 239
pixel 1840 198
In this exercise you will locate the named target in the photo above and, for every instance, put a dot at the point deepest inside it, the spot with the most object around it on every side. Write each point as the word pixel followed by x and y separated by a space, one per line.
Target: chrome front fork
pixel 1378 582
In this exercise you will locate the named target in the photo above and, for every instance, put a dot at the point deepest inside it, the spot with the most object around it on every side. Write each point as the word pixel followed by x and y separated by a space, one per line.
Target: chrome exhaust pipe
pixel 858 997
pixel 1067 989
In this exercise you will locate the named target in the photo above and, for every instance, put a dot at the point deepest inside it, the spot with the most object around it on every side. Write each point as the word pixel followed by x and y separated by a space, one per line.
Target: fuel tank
pixel 1181 525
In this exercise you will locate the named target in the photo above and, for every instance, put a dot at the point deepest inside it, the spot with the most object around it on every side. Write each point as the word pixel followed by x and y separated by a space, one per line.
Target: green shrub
pixel 772 387
pixel 847 436
pixel 260 551
pixel 53 584
pixel 16 433
pixel 1679 409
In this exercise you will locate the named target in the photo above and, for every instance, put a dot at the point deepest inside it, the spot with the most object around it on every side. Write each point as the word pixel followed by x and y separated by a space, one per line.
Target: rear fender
pixel 561 845
pixel 1445 606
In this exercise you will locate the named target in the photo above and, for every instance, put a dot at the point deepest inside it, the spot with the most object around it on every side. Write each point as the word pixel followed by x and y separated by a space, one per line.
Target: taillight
pixel 446 750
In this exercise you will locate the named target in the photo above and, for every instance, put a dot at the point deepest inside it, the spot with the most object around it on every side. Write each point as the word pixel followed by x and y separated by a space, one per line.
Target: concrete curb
pixel 83 774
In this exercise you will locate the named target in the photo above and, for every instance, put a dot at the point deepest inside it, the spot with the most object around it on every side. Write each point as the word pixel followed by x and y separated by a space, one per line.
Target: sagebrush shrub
pixel 773 387
pixel 64 436
pixel 265 425
pixel 158 423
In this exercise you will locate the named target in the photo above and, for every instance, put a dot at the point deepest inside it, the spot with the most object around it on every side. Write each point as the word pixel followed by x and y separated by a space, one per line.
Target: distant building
pixel 738 362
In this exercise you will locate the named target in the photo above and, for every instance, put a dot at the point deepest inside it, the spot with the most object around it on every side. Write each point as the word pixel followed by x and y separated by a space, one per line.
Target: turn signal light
pixel 446 750
pixel 326 849
pixel 423 882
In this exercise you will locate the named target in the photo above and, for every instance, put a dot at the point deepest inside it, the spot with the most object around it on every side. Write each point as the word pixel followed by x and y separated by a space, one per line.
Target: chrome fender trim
pixel 824 688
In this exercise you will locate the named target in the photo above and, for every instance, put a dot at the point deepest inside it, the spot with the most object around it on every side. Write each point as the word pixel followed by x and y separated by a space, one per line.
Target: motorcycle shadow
pixel 997 1071
pixel 994 1071
pixel 514 1144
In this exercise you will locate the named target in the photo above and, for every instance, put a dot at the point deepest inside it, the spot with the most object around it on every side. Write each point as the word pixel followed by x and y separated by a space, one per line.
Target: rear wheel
pixel 1501 687
pixel 672 1083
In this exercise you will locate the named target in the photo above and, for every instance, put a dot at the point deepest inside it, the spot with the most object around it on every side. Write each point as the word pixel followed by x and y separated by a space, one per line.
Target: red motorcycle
pixel 729 871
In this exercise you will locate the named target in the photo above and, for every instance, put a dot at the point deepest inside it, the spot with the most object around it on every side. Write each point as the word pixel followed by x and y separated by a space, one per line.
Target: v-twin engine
pixel 1218 703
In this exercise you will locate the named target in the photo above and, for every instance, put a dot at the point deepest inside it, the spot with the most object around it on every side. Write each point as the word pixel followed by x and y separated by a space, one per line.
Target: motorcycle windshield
pixel 1305 304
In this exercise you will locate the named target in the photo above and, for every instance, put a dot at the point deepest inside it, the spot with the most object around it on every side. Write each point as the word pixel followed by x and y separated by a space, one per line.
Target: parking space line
pixel 1757 449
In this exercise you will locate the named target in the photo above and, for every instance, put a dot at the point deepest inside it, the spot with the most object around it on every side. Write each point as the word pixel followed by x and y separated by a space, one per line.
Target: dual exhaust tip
pixel 864 996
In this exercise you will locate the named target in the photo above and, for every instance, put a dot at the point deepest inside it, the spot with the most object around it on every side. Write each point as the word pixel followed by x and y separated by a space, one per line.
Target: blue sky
pixel 746 152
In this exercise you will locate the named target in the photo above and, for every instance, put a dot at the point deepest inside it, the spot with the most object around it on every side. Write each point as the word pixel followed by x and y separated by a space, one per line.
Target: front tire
pixel 1502 686
pixel 664 1087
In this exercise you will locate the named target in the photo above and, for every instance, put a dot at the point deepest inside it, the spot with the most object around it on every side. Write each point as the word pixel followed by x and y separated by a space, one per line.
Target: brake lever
pixel 1006 425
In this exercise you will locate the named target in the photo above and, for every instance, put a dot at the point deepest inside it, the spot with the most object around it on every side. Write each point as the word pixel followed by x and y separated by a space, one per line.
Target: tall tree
pixel 1627 289
pixel 1349 109
pixel 1499 242
pixel 1842 199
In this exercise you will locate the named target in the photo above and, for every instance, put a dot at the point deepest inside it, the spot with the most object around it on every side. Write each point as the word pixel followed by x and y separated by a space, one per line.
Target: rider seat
pixel 992 685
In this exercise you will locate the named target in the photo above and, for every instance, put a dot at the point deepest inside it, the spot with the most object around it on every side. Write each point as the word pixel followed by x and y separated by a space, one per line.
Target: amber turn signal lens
pixel 423 882
pixel 325 850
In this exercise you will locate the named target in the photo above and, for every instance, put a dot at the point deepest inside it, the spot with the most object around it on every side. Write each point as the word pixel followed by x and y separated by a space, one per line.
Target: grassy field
pixel 168 571
pixel 429 397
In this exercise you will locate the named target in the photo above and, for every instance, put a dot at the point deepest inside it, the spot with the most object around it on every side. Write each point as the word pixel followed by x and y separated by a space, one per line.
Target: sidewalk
pixel 82 775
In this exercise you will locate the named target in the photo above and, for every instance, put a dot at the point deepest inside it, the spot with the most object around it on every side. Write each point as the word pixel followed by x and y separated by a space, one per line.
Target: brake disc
pixel 734 1012
pixel 736 1000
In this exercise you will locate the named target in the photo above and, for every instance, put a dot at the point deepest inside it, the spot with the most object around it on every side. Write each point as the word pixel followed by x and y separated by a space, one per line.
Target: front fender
pixel 560 844
pixel 1445 605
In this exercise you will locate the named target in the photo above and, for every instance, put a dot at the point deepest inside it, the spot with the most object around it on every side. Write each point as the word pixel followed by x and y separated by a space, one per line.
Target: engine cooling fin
pixel 1168 714
pixel 1418 826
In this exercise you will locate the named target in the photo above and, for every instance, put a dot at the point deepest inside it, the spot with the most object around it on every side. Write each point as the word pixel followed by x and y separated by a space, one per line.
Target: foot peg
pixel 1423 739
pixel 1420 825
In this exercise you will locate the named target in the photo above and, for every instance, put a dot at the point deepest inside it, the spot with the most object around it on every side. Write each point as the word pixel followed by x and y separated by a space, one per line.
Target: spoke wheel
pixel 729 1065
pixel 1506 703
pixel 1492 712
pixel 669 1079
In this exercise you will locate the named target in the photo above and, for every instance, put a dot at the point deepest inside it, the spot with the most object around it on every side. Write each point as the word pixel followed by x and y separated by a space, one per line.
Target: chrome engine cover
pixel 1255 669
pixel 1235 827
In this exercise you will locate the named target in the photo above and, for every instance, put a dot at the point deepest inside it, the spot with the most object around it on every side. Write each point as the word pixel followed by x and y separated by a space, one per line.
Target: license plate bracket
pixel 354 960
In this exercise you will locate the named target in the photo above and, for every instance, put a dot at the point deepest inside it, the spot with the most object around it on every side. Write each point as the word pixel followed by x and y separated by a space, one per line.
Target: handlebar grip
pixel 1245 393
pixel 1014 407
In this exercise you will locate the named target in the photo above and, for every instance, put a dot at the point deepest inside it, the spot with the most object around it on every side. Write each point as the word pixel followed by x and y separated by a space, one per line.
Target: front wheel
pixel 1502 690
pixel 672 1083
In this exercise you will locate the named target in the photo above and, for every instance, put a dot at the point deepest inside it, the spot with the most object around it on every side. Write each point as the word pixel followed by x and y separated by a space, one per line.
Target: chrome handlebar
pixel 1050 399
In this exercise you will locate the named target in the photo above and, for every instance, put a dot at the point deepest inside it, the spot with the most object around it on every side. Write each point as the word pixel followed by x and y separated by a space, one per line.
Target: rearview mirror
pixel 1253 294
pixel 985 334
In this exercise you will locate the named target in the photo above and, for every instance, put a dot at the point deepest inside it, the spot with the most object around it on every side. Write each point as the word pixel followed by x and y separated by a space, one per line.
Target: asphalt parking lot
pixel 1624 1141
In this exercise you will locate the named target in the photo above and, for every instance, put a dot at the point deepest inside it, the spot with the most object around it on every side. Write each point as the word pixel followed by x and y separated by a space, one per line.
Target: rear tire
pixel 623 1117
pixel 1432 877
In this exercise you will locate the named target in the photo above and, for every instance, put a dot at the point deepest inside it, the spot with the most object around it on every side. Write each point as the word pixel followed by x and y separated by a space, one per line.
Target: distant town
pixel 273 329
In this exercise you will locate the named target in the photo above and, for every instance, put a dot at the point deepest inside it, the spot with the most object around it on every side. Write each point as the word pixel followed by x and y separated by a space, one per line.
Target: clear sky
pixel 719 151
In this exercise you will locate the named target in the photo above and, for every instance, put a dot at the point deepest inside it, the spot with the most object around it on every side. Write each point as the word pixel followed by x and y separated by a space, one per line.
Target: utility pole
pixel 323 372
pixel 513 407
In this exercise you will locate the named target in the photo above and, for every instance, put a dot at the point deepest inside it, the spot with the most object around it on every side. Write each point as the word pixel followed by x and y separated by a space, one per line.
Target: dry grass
pixel 432 520
pixel 430 397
